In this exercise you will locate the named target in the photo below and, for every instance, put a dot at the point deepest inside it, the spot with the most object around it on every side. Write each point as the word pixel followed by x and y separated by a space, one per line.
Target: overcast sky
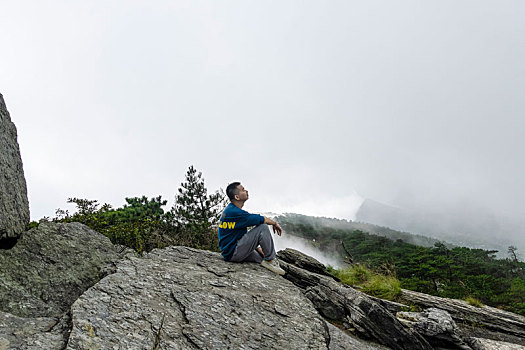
pixel 313 105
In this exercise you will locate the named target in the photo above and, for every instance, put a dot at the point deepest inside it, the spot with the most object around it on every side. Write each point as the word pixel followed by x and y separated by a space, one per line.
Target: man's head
pixel 236 192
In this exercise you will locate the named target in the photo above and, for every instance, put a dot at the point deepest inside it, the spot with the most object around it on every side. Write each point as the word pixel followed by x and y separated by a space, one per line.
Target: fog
pixel 307 247
pixel 313 106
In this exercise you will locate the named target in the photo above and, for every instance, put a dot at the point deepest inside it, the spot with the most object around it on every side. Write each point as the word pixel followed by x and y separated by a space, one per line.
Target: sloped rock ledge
pixel 183 298
pixel 455 324
pixel 349 306
pixel 484 322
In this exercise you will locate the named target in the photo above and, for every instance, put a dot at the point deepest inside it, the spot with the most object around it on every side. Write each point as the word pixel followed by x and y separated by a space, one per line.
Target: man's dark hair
pixel 232 190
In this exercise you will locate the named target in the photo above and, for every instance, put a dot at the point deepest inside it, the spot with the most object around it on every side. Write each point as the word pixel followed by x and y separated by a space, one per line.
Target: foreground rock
pixel 14 206
pixel 183 298
pixel 437 326
pixel 349 306
pixel 51 266
pixel 488 344
pixel 33 333
pixel 341 340
pixel 485 322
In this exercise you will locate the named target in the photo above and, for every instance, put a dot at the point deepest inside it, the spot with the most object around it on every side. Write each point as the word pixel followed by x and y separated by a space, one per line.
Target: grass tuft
pixel 474 302
pixel 372 283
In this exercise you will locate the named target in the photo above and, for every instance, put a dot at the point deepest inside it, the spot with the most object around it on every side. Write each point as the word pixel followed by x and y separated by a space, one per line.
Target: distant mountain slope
pixel 462 226
pixel 440 270
pixel 342 224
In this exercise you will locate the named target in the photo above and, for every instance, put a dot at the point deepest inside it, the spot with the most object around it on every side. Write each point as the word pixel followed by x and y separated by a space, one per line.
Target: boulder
pixel 343 340
pixel 488 344
pixel 51 266
pixel 304 262
pixel 14 206
pixel 355 310
pixel 184 298
pixel 436 326
pixel 482 322
pixel 33 333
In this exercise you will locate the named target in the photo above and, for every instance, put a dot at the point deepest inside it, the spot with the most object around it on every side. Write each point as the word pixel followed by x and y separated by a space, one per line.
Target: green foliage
pixel 31 225
pixel 473 301
pixel 370 282
pixel 442 270
pixel 130 225
pixel 142 224
pixel 355 275
pixel 384 287
pixel 195 213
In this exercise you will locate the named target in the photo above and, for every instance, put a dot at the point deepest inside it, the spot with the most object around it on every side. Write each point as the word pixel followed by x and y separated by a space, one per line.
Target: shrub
pixel 384 287
pixel 355 275
pixel 370 282
pixel 142 224
pixel 473 301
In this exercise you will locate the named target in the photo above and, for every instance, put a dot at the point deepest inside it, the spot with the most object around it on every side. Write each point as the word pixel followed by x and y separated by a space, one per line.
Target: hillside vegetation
pixel 312 222
pixel 142 224
pixel 441 270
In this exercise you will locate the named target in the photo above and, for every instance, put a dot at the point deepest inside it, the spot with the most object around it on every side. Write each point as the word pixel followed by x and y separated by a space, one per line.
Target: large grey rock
pixel 184 298
pixel 355 310
pixel 33 333
pixel 341 340
pixel 437 326
pixel 485 322
pixel 51 266
pixel 488 344
pixel 14 206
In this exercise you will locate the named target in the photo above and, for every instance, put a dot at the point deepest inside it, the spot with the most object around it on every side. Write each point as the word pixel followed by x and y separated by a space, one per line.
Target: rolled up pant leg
pixel 247 245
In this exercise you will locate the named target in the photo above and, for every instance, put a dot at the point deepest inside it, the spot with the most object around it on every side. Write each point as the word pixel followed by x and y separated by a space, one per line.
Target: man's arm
pixel 276 228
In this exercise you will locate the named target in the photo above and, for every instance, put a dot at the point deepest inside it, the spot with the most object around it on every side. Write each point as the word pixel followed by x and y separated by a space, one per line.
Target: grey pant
pixel 260 235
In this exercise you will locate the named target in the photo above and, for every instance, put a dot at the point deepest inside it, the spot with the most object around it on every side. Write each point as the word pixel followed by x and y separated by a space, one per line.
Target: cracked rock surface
pixel 51 266
pixel 355 310
pixel 437 326
pixel 14 206
pixel 183 298
pixel 340 340
pixel 33 333
pixel 490 322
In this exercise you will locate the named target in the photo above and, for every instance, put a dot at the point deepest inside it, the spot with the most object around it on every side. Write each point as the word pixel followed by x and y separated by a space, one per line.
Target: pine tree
pixel 195 213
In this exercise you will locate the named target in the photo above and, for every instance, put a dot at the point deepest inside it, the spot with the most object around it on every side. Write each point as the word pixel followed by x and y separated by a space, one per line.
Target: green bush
pixel 142 224
pixel 384 287
pixel 474 302
pixel 355 275
pixel 370 282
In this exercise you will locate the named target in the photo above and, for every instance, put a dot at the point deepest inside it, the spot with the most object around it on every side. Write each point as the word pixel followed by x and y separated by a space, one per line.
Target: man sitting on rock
pixel 237 244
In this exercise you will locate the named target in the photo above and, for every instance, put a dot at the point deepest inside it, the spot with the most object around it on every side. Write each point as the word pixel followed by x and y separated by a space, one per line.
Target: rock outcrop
pixel 36 333
pixel 437 326
pixel 484 322
pixel 354 309
pixel 14 206
pixel 51 266
pixel 183 298
pixel 445 323
pixel 341 340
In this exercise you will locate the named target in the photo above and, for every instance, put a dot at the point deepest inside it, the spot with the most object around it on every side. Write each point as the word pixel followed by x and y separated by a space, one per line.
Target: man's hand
pixel 276 228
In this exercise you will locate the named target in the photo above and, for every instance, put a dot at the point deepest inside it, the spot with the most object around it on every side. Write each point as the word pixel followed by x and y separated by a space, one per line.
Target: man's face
pixel 243 194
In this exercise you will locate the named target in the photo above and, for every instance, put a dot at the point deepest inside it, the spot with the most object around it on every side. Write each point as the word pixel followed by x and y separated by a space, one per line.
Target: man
pixel 237 244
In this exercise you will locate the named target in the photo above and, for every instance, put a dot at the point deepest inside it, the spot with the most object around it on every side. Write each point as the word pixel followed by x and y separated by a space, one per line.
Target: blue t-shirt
pixel 233 225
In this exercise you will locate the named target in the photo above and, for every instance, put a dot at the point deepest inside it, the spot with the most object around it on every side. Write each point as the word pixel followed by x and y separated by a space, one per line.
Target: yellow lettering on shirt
pixel 230 225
